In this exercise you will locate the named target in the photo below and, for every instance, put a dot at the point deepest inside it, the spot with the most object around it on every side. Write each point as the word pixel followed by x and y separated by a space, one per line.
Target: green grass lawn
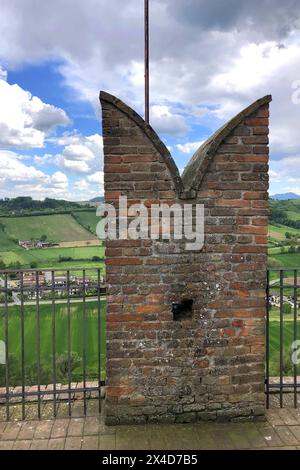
pixel 57 227
pixel 5 242
pixel 288 338
pixel 77 334
pixel 289 260
pixel 50 256
pixel 276 250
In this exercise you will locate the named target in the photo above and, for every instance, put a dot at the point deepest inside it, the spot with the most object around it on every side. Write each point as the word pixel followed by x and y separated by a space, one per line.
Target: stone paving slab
pixel 280 431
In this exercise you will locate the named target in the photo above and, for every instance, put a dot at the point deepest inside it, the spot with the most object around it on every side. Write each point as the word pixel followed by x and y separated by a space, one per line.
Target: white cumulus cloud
pixel 81 154
pixel 25 119
pixel 166 122
pixel 17 179
pixel 189 147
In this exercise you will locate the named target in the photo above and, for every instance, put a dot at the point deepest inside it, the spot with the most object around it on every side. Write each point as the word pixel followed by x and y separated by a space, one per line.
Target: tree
pixel 287 363
pixel 274 263
pixel 15 265
pixel 287 308
pixel 43 237
pixel 62 363
pixel 33 264
pixel 31 374
pixel 14 372
pixel 2 264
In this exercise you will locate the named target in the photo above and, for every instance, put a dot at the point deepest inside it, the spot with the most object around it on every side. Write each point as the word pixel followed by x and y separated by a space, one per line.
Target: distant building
pixel 29 279
pixel 26 244
pixel 36 244
pixel 42 244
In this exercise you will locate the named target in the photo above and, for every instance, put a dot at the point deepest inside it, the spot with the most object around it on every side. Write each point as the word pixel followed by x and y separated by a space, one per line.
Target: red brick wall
pixel 210 366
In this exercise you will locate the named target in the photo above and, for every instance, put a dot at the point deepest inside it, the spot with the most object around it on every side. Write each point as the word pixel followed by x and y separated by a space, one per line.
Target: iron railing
pixel 281 333
pixel 52 332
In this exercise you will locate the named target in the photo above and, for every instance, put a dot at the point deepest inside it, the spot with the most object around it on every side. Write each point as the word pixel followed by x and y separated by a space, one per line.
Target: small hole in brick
pixel 182 310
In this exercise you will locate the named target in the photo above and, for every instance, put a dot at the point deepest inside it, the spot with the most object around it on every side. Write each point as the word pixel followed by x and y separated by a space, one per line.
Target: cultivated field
pixel 77 245
pixel 57 228
pixel 78 329
pixel 80 243
pixel 278 233
pixel 49 256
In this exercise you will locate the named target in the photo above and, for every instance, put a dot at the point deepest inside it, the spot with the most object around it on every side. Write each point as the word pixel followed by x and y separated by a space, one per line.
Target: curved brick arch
pixel 187 185
pixel 106 98
pixel 197 166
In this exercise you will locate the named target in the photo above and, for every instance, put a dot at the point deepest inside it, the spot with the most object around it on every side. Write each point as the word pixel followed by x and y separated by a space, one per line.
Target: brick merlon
pixel 187 185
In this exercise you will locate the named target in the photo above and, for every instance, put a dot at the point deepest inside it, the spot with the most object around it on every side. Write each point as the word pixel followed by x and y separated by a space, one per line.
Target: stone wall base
pixel 252 412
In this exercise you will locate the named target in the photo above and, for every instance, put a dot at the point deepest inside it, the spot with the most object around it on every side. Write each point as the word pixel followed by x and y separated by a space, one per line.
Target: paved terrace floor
pixel 281 430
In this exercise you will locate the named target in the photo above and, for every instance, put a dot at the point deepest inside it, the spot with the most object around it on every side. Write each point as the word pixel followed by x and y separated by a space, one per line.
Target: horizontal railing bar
pixel 51 392
pixel 46 270
pixel 284 286
pixel 277 385
pixel 42 288
pixel 283 269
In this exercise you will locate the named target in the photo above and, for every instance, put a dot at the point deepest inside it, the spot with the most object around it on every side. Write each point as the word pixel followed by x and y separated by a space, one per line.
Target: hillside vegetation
pixel 57 227
pixel 69 223
pixel 88 219
pixel 284 236
pixel 285 213
pixel 27 205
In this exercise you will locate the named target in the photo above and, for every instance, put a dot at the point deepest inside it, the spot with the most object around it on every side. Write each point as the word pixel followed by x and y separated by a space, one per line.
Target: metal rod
pixel 57 270
pixel 281 340
pixel 53 343
pixel 38 341
pixel 285 385
pixel 49 288
pixel 69 338
pixel 146 18
pixel 84 341
pixel 6 346
pixel 99 341
pixel 58 392
pixel 295 335
pixel 22 346
pixel 268 344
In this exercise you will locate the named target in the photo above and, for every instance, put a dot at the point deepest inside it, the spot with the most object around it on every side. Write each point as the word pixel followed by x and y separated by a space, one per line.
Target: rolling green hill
pixel 58 228
pixel 277 232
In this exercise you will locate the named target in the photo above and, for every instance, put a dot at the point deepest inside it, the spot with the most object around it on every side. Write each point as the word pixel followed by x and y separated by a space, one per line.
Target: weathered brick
pixel 210 364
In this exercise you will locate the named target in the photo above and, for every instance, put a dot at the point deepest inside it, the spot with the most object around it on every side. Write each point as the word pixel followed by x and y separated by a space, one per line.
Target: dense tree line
pixel 279 216
pixel 280 212
pixel 27 205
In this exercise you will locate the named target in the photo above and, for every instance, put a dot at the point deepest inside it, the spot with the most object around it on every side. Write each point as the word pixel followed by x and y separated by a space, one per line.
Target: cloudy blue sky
pixel 208 60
